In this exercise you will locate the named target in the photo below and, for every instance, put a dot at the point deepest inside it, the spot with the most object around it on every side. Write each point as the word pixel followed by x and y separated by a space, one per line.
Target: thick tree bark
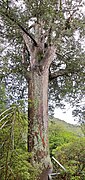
pixel 38 145
pixel 38 119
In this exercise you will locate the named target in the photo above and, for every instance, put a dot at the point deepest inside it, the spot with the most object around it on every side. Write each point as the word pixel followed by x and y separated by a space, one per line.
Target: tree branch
pixel 61 72
pixel 25 64
pixel 28 34
pixel 20 26
pixel 49 57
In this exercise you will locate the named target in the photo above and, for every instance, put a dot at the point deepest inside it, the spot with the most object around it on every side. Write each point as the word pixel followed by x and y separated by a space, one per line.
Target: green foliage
pixel 3 97
pixel 61 133
pixel 83 128
pixel 72 155
pixel 68 147
pixel 14 158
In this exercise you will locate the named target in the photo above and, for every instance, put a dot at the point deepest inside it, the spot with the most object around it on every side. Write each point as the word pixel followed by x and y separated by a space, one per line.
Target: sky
pixel 65 114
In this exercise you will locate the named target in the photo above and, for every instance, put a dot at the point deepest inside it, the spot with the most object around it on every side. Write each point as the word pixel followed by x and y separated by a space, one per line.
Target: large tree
pixel 41 42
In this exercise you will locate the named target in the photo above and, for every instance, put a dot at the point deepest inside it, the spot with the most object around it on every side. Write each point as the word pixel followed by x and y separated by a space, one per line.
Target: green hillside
pixel 76 129
pixel 67 145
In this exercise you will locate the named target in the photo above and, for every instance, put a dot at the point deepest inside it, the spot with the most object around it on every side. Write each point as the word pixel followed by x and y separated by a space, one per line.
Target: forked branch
pixel 20 26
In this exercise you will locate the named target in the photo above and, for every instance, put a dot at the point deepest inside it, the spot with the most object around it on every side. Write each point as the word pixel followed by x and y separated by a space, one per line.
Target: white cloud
pixel 65 115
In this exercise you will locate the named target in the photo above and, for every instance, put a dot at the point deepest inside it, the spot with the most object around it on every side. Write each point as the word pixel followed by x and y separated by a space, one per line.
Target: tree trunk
pixel 38 119
pixel 40 60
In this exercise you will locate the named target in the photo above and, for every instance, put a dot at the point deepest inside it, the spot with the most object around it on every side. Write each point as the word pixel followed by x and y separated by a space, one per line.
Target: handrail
pixel 54 174
pixel 58 163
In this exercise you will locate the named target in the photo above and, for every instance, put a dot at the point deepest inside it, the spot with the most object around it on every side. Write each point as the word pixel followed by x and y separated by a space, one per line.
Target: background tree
pixel 43 47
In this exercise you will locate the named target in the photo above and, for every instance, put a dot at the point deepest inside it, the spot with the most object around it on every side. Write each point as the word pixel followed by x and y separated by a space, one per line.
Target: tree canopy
pixel 59 23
